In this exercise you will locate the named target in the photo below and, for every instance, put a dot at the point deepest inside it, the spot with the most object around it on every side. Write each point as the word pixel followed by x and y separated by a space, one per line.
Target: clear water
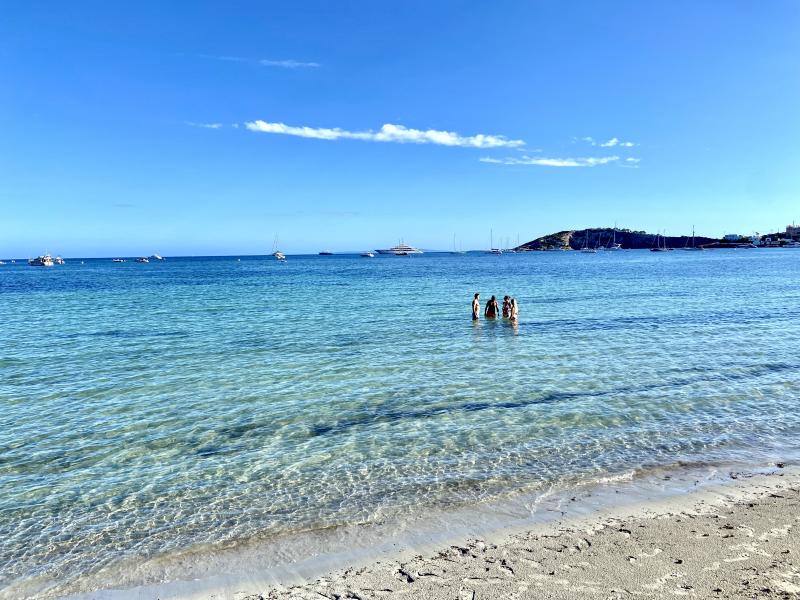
pixel 149 410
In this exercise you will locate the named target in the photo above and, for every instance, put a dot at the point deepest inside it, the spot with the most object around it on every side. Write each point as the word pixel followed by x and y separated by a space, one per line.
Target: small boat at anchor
pixel 142 259
pixel 45 260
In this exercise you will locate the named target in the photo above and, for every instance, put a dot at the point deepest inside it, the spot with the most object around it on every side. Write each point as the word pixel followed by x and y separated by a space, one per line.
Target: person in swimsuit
pixel 491 309
pixel 476 306
pixel 506 307
pixel 514 310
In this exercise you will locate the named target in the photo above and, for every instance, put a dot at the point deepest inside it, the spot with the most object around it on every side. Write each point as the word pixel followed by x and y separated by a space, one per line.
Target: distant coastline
pixel 604 237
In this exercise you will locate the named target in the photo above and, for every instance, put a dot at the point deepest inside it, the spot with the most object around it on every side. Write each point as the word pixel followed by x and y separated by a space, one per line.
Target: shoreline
pixel 495 553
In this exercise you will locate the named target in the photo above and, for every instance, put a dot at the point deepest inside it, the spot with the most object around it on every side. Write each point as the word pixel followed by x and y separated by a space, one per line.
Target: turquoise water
pixel 149 410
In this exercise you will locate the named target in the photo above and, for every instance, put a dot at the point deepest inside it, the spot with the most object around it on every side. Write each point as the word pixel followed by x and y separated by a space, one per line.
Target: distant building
pixel 732 237
pixel 792 232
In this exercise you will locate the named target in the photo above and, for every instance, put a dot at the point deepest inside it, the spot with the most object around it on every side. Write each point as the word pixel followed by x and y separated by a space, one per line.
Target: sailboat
pixel 280 256
pixel 658 247
pixel 585 248
pixel 454 251
pixel 492 249
pixel 613 245
pixel 692 247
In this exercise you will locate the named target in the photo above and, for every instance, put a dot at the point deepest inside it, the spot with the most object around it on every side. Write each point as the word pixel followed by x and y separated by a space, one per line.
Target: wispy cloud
pixel 631 163
pixel 608 144
pixel 389 133
pixel 552 162
pixel 204 125
pixel 287 63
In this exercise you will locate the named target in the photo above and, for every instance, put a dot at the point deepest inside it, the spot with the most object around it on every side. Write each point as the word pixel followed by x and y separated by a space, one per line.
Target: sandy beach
pixel 740 539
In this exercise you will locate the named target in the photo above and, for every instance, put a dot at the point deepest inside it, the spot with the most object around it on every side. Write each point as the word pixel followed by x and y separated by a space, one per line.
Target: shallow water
pixel 151 410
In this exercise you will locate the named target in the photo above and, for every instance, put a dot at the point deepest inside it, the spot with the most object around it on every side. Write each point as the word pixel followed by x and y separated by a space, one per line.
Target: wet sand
pixel 738 540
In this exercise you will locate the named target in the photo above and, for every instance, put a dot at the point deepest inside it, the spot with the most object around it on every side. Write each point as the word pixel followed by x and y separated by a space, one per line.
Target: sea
pixel 170 422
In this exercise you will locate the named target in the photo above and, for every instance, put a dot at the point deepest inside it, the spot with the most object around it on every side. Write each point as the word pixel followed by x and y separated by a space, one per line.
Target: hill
pixel 633 240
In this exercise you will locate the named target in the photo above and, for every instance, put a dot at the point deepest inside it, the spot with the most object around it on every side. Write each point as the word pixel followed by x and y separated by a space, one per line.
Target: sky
pixel 204 128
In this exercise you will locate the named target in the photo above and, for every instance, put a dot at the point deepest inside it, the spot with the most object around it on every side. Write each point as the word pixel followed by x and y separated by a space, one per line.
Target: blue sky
pixel 207 128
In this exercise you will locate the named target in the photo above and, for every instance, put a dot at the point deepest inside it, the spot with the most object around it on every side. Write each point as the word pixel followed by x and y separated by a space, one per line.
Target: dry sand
pixel 735 541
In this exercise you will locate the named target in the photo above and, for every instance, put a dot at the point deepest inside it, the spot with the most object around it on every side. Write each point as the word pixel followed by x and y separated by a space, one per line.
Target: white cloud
pixel 205 125
pixel 633 160
pixel 389 133
pixel 552 162
pixel 609 144
pixel 288 64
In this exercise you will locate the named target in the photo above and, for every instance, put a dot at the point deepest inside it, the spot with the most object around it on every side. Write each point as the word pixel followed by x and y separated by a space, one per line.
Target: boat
pixel 368 255
pixel 142 259
pixel 613 245
pixel 326 253
pixel 58 260
pixel 454 251
pixel 279 256
pixel 117 260
pixel 492 249
pixel 45 260
pixel 2 262
pixel 585 248
pixel 156 257
pixel 658 247
pixel 692 247
pixel 400 249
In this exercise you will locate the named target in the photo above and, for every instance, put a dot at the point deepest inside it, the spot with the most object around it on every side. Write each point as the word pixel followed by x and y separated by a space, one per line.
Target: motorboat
pixel 400 249
pixel 142 259
pixel 326 253
pixel 58 260
pixel 41 261
pixel 157 257
pixel 117 260
pixel 368 254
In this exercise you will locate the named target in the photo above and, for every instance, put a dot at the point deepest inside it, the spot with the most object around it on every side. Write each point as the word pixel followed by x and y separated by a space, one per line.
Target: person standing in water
pixel 513 309
pixel 491 309
pixel 506 307
pixel 476 306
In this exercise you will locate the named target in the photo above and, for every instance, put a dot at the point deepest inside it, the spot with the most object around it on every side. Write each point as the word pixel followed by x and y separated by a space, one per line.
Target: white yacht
pixel 142 259
pixel 117 260
pixel 41 261
pixel 368 254
pixel 157 257
pixel 400 249
pixel 58 260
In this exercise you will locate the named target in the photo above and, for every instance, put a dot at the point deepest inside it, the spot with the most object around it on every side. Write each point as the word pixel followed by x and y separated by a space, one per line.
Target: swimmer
pixel 476 306
pixel 491 308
